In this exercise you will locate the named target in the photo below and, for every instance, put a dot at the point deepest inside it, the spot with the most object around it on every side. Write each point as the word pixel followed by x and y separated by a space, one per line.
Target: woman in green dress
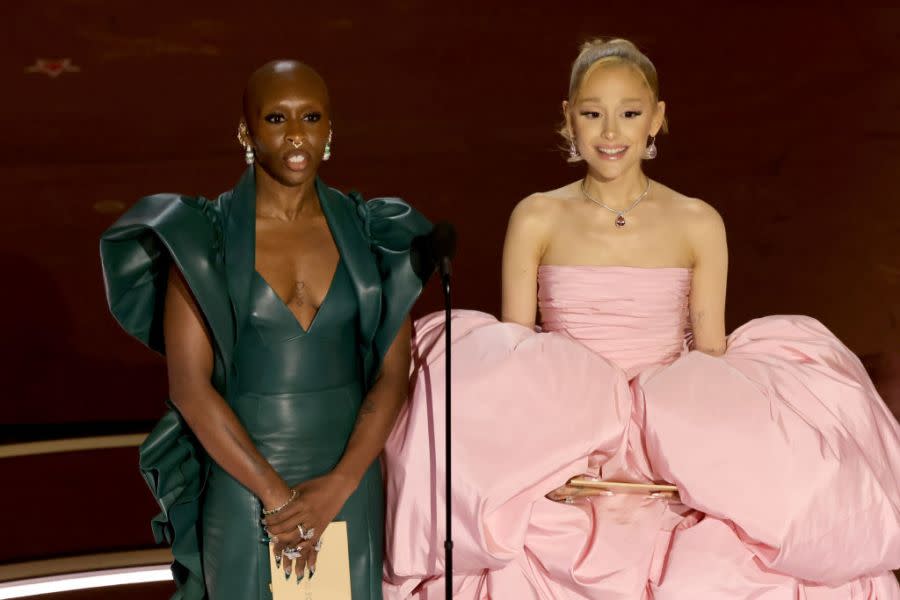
pixel 282 310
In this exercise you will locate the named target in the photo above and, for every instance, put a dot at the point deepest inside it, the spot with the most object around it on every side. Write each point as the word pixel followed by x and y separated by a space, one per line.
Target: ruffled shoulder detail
pixel 136 253
pixel 390 226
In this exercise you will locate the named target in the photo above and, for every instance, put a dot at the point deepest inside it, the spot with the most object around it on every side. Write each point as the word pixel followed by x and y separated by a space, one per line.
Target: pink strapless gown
pixel 787 460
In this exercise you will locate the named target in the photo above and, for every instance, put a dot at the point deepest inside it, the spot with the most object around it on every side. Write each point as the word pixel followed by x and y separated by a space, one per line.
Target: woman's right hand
pixel 282 500
pixel 317 504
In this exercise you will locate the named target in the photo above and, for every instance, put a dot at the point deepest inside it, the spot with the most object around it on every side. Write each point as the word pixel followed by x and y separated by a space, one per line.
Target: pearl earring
pixel 243 137
pixel 327 154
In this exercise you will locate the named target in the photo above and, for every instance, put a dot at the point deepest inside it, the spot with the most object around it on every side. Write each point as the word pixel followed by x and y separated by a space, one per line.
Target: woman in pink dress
pixel 786 459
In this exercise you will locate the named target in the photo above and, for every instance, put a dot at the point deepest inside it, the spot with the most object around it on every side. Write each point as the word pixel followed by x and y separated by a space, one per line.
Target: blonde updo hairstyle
pixel 599 53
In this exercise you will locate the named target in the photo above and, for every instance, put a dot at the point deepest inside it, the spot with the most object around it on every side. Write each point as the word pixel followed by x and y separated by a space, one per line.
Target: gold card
pixel 590 486
pixel 332 579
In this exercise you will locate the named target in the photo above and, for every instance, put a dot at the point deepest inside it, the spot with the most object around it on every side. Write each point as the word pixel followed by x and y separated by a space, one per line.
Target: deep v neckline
pixel 330 225
pixel 305 330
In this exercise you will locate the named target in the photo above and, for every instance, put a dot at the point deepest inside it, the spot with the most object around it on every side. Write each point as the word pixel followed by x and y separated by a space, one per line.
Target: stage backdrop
pixel 785 118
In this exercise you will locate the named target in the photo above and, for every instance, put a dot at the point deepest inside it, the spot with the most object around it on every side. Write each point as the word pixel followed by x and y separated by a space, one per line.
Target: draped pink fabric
pixel 787 460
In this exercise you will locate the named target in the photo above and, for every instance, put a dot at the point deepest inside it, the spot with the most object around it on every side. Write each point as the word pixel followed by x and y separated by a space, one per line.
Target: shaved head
pixel 288 118
pixel 273 76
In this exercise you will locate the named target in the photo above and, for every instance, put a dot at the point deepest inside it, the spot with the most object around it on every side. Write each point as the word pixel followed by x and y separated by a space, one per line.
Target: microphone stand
pixel 436 249
pixel 446 271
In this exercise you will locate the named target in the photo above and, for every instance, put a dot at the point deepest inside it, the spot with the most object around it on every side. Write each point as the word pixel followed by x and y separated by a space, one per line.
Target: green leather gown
pixel 296 391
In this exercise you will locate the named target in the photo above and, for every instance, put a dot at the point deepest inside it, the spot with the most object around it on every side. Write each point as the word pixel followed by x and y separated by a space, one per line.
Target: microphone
pixel 434 250
pixel 443 245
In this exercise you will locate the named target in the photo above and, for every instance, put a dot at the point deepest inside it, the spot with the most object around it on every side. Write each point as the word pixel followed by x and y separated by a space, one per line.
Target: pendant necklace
pixel 620 214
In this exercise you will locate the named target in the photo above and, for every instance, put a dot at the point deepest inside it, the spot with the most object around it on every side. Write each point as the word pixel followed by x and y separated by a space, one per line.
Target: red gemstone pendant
pixel 620 221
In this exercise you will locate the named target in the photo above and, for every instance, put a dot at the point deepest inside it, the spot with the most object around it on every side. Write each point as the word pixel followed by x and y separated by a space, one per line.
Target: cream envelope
pixel 332 580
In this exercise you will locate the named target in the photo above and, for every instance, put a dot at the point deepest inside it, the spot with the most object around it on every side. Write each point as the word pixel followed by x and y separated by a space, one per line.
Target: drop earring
pixel 574 155
pixel 243 137
pixel 327 153
pixel 650 151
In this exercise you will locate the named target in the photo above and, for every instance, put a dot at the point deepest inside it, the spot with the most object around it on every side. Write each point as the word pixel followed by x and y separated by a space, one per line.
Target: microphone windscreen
pixel 421 257
pixel 443 237
pixel 433 250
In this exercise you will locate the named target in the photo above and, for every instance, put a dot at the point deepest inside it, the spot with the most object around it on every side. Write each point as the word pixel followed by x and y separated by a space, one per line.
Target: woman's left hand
pixel 567 494
pixel 317 504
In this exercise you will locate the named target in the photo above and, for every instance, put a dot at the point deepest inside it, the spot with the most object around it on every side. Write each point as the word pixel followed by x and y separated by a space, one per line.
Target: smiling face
pixel 611 117
pixel 286 109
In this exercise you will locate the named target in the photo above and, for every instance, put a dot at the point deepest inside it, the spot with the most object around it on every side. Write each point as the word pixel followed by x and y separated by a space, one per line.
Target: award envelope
pixel 332 579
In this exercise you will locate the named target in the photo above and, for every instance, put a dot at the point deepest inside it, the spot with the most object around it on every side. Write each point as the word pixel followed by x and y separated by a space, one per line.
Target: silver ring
pixel 310 533
pixel 292 553
pixel 302 531
pixel 319 544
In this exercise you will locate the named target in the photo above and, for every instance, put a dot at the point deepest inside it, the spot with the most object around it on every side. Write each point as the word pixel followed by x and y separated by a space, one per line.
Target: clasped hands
pixel 296 528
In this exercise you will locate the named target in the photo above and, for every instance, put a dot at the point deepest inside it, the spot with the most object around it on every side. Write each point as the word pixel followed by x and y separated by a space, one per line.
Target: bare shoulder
pixel 540 210
pixel 692 214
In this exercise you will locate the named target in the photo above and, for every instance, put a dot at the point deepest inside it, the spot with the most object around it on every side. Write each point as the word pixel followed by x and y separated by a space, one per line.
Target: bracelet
pixel 278 509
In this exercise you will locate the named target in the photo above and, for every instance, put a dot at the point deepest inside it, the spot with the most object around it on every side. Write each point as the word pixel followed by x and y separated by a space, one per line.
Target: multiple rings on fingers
pixel 306 534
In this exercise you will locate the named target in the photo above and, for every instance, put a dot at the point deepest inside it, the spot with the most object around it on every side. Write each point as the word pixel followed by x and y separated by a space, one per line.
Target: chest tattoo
pixel 298 298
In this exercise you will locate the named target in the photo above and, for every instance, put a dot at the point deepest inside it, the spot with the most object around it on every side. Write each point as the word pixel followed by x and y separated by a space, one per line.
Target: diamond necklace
pixel 620 214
